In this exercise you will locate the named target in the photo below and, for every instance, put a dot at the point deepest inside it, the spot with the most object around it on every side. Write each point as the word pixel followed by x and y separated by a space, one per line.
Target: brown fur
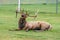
pixel 45 25
pixel 40 25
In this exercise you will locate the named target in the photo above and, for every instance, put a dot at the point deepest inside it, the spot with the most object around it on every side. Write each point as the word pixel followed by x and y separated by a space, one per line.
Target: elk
pixel 32 25
pixel 36 25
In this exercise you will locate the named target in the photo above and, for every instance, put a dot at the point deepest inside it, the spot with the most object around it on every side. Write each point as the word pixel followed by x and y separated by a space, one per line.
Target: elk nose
pixel 22 15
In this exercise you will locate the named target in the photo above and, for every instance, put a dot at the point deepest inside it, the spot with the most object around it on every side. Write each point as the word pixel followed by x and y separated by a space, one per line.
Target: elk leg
pixel 27 29
pixel 15 29
pixel 18 29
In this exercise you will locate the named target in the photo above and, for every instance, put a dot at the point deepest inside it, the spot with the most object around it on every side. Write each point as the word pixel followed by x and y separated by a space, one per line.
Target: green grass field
pixel 47 13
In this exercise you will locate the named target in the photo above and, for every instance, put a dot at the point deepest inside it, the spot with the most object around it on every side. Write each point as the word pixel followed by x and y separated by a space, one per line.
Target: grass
pixel 9 21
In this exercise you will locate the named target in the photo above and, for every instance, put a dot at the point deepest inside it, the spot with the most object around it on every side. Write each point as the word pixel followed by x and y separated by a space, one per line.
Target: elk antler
pixel 36 12
pixel 34 15
pixel 17 11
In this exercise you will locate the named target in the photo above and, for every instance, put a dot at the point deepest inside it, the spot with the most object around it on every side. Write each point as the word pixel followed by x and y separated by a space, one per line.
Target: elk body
pixel 37 25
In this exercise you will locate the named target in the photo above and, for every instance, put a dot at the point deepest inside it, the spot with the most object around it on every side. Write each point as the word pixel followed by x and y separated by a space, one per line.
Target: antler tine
pixel 27 13
pixel 22 11
pixel 16 13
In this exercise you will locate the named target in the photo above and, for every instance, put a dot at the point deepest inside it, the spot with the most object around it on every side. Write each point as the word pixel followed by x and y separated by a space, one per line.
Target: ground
pixel 47 13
